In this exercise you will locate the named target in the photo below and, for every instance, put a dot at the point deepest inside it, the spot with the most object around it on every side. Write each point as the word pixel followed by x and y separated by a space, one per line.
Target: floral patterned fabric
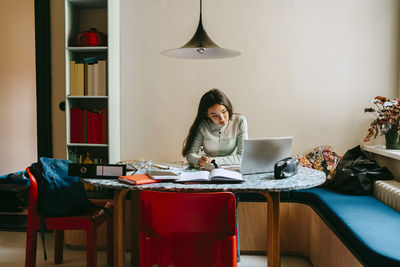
pixel 321 158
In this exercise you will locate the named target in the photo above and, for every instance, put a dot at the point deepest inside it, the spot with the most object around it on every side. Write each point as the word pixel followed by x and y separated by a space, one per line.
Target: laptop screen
pixel 260 155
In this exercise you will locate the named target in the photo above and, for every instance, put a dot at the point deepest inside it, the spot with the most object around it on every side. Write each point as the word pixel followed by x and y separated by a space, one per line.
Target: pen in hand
pixel 202 152
pixel 204 159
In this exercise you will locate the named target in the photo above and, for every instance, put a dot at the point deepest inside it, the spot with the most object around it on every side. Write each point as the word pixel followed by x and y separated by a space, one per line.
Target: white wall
pixel 308 68
pixel 18 148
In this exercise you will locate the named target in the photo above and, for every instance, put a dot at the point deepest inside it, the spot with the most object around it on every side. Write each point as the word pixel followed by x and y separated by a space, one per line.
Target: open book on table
pixel 216 175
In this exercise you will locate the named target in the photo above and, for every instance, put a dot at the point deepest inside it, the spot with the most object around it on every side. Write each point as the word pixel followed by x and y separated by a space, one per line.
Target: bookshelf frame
pixel 80 15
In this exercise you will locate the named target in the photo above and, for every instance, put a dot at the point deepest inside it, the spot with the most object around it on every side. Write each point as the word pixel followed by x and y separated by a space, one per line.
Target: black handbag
pixel 14 192
pixel 356 174
pixel 285 168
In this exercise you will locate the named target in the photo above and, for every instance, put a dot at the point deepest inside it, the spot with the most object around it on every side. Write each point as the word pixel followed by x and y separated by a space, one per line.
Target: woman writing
pixel 216 131
pixel 218 134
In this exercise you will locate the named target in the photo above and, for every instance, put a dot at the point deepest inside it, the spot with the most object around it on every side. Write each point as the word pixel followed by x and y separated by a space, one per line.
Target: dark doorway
pixel 43 78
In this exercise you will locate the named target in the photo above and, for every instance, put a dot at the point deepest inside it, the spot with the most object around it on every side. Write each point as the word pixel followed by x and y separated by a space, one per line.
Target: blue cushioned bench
pixel 368 227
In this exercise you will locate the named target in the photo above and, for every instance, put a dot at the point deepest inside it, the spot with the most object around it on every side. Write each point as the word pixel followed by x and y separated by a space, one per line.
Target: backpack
pixel 59 195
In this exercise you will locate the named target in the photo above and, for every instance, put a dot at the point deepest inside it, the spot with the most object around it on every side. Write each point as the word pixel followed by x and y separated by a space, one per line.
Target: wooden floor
pixel 303 233
pixel 12 253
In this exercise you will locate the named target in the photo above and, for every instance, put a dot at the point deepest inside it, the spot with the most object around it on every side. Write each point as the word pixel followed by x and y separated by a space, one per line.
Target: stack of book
pixel 88 79
pixel 215 176
pixel 88 126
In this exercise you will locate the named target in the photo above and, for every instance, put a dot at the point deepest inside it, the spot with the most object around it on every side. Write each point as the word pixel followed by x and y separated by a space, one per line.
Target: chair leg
pixel 31 245
pixel 110 241
pixel 58 246
pixel 91 246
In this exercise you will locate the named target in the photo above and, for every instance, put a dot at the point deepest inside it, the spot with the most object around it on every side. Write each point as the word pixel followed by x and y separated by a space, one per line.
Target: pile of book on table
pixel 214 176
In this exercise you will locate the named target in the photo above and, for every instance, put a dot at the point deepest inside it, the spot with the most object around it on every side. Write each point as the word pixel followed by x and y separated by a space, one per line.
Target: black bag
pixel 14 192
pixel 356 174
pixel 14 197
pixel 285 168
pixel 59 195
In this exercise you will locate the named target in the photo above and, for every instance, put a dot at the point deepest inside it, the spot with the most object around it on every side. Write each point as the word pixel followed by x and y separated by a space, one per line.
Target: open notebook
pixel 216 175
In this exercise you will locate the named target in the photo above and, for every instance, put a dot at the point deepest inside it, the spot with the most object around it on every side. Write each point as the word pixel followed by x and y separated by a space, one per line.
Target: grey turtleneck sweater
pixel 224 144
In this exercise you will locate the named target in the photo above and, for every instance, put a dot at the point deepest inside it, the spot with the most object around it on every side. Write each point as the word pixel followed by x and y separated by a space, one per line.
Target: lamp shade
pixel 200 47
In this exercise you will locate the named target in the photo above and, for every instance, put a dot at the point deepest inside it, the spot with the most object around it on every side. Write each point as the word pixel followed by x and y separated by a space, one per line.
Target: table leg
pixel 273 246
pixel 119 241
pixel 135 213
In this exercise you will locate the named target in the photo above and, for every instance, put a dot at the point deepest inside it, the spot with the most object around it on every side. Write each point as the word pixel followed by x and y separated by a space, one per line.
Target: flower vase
pixel 392 139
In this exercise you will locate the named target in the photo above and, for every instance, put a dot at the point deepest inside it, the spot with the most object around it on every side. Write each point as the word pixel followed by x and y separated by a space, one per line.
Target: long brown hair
pixel 209 99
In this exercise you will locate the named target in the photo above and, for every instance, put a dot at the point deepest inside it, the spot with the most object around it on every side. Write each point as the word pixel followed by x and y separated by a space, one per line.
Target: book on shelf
pixel 96 79
pixel 102 78
pixel 91 131
pixel 76 125
pixel 88 126
pixel 86 79
pixel 216 175
pixel 95 131
pixel 84 126
pixel 90 81
pixel 97 125
pixel 72 77
pixel 104 126
pixel 79 79
pixel 137 179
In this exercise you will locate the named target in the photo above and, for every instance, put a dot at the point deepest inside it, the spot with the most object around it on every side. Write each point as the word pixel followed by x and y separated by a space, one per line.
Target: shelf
pixel 381 150
pixel 89 3
pixel 87 48
pixel 88 102
pixel 87 145
pixel 86 96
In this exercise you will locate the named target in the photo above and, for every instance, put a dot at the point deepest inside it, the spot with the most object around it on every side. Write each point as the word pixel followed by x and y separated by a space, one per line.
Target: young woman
pixel 216 132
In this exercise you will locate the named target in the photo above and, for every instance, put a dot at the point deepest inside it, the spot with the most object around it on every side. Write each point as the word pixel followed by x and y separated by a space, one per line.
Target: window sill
pixel 381 150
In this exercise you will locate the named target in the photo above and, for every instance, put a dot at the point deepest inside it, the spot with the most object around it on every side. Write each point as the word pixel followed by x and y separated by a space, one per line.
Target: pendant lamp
pixel 200 46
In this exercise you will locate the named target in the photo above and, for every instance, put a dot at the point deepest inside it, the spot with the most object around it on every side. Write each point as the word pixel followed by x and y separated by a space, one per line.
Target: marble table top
pixel 306 178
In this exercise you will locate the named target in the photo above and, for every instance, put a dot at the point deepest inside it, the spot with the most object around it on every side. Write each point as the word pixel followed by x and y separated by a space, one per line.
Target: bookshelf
pixel 92 84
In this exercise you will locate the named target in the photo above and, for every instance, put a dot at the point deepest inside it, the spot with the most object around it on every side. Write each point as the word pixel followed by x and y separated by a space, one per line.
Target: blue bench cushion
pixel 368 227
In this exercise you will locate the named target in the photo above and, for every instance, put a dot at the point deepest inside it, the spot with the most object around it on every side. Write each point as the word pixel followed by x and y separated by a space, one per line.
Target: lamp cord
pixel 201 7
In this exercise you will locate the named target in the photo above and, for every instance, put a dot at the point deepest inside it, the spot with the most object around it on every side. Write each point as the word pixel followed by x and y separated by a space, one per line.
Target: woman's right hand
pixel 203 160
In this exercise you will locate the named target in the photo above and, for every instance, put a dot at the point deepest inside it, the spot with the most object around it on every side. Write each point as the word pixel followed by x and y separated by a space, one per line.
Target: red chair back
pixel 33 216
pixel 187 229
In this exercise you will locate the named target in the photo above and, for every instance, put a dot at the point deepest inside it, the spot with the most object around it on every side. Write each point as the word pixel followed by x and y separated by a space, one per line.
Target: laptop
pixel 260 155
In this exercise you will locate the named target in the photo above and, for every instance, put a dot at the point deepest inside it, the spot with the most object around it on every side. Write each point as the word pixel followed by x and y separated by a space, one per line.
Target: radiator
pixel 388 192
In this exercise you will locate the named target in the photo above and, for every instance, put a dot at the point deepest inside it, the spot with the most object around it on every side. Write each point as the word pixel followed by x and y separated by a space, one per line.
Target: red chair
pixel 88 222
pixel 187 229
